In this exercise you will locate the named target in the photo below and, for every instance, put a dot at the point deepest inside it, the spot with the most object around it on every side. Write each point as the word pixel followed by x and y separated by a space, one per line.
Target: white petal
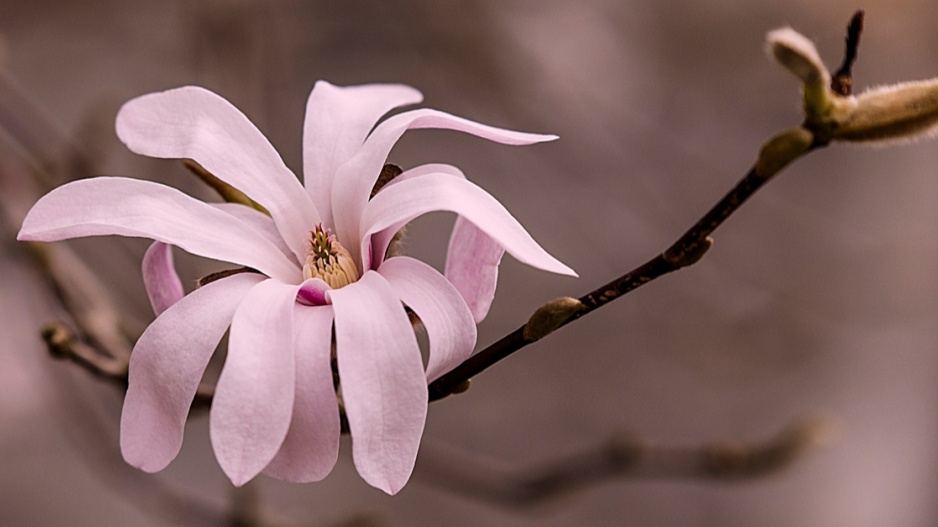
pixel 472 257
pixel 260 222
pixel 192 122
pixel 450 327
pixel 472 266
pixel 380 240
pixel 253 401
pixel 383 382
pixel 159 277
pixel 131 207
pixel 359 174
pixel 166 366
pixel 433 192
pixel 337 121
pixel 311 447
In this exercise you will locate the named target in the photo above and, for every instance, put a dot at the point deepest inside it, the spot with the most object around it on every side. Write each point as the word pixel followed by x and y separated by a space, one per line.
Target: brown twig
pixel 64 344
pixel 617 458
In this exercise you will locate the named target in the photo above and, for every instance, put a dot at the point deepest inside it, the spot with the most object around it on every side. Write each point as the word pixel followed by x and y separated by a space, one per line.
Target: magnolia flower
pixel 321 269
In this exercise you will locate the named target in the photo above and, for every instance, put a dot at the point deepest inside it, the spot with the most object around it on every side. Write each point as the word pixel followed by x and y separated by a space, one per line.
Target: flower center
pixel 328 260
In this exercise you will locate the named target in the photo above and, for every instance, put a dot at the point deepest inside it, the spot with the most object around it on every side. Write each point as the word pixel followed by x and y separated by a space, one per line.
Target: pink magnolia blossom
pixel 321 263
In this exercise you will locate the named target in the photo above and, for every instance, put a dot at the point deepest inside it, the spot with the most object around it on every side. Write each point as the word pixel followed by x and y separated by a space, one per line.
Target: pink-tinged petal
pixel 311 447
pixel 450 327
pixel 337 121
pixel 359 174
pixel 381 240
pixel 472 266
pixel 159 277
pixel 312 292
pixel 253 401
pixel 383 382
pixel 192 122
pixel 258 221
pixel 131 207
pixel 433 192
pixel 166 367
pixel 471 260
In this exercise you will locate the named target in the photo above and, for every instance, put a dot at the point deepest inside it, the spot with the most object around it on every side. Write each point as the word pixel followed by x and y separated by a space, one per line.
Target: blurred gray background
pixel 821 295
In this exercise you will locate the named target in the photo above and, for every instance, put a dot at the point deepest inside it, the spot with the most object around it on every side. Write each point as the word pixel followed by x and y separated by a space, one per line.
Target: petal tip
pixel 386 483
pixel 239 480
pixel 143 458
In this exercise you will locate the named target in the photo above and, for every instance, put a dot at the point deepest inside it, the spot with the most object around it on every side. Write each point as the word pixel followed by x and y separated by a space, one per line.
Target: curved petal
pixel 313 292
pixel 258 221
pixel 159 277
pixel 359 174
pixel 192 122
pixel 311 447
pixel 409 199
pixel 337 121
pixel 450 327
pixel 131 207
pixel 383 382
pixel 472 266
pixel 472 257
pixel 253 401
pixel 380 240
pixel 166 366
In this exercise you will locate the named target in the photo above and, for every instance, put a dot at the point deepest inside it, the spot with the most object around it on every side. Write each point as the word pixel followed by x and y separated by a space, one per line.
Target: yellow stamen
pixel 326 259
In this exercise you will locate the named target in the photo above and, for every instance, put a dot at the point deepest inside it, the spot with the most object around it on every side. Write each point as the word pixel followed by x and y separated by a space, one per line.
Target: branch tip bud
pixel 58 339
pixel 551 316
pixel 781 150
pixel 462 387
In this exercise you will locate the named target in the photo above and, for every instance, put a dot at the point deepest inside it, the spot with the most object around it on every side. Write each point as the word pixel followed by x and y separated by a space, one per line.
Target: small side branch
pixel 64 344
pixel 619 458
pixel 842 80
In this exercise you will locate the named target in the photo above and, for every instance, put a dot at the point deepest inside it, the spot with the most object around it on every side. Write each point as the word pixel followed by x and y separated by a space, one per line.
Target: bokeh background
pixel 821 295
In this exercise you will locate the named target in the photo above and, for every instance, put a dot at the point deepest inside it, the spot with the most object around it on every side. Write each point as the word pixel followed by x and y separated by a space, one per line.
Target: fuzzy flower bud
pixel 798 55
pixel 905 111
pixel 781 150
pixel 551 316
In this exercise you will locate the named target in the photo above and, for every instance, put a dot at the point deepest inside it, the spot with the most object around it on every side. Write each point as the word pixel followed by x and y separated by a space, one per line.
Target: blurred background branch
pixel 622 457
